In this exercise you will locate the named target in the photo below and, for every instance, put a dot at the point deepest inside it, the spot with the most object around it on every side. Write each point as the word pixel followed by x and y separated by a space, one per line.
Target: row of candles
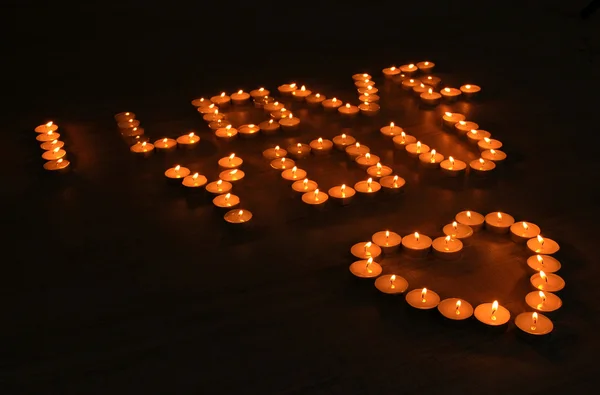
pixel 54 149
pixel 449 246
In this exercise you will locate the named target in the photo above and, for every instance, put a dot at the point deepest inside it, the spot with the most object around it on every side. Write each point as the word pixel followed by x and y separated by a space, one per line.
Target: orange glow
pixel 227 196
pixel 469 214
pixel 293 85
pixel 542 296
pixel 222 94
pixel 378 166
pixel 177 168
pixel 219 182
pixel 447 239
pixel 232 172
pixel 195 176
pixel 369 262
pixel 540 240
pixel 320 141
pixel 231 156
pixel 423 294
pixel 487 140
pixel 411 66
pixel 334 100
pixel 458 303
pixel 417 236
pixel 540 259
pixel 59 161
pixel 543 276
pixel 468 86
pixel 499 214
pixel 494 309
pixel 430 91
pixel 303 88
pixel 316 194
pixel 347 105
pixel 240 92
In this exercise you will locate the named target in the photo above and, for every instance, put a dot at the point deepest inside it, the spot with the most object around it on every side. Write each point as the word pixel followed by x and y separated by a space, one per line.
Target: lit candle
pixel 199 102
pixel 301 93
pixel 398 79
pixel 367 160
pixel 431 159
pixel 475 135
pixel 431 81
pixel 177 172
pixel 219 187
pixel 389 72
pixel 279 114
pixel 458 231
pixel 60 165
pixel 389 242
pixel 391 284
pixel 451 118
pixel 416 149
pixel 403 139
pixel 543 301
pixel 238 217
pixel 227 133
pixel 369 98
pixel 464 127
pixel 369 108
pixel 426 66
pixel 495 156
pixel 550 282
pixel 50 145
pixel 124 116
pixel 391 130
pixel 488 144
pixel 379 170
pixel 261 102
pixel 523 231
pixel 282 164
pixel 142 148
pixel 342 194
pixel 366 268
pixel 240 97
pixel 367 188
pixel 470 90
pixel 321 146
pixel 492 314
pixel 287 89
pixel 409 84
pixel 542 245
pixel 219 124
pixel 370 89
pixel 470 218
pixel 534 324
pixel 259 93
pixel 481 166
pixel 453 167
pixel 54 154
pixel 269 127
pixel 430 98
pixel 364 83
pixel 455 309
pixel 315 99
pixel 361 76
pixel 356 150
pixel 290 122
pixel 230 162
pixel 331 104
pixel 447 247
pixel 249 130
pixel 226 201
pixel 194 181
pixel 130 123
pixel 274 106
pixel 545 263
pixel 392 184
pixel 366 250
pixel 343 141
pixel 315 198
pixel 499 222
pixel 274 153
pixel 293 174
pixel 232 175
pixel 421 88
pixel 165 144
pixel 221 100
pixel 416 245
pixel 409 69
pixel 48 136
pixel 213 116
pixel 450 94
pixel 423 299
pixel 207 109
pixel 189 140
pixel 348 110
pixel 299 150
pixel 303 186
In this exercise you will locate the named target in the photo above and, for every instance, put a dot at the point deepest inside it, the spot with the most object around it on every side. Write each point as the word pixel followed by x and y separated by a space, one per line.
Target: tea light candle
pixel 464 127
pixel 315 99
pixel 470 218
pixel 365 250
pixel 369 98
pixel 492 314
pixel 272 107
pixel 132 132
pixel 541 245
pixel 475 135
pixel 451 118
pixel 499 222
pixel 391 284
pixel 240 97
pixel 219 187
pixel 269 127
pixel 282 164
pixel 49 136
pixel 409 84
pixel 391 130
pixel 547 281
pixel 50 145
pixel 304 186
pixel 392 184
pixel 366 268
pixel 315 198
pixel 487 144
pixel 409 69
pixel 165 144
pixel 361 76
pixel 299 150
pixel 259 93
pixel 301 93
pixel 430 98
pixel 416 245
pixel 227 133
pixel 416 149
pixel 534 324
pixel 423 299
pixel 143 148
pixel 356 150
pixel 232 175
pixel 199 102
pixel 470 90
pixel 495 156
pixel 421 88
pixel 274 153
pixel 124 116
pixel 379 170
pixel 368 187
pixel 188 140
pixel 293 174
pixel 226 201
pixel 431 81
pixel 54 154
pixel 60 165
pixel 321 146
pixel 210 109
pixel 277 115
pixel 348 110
pixel 403 139
pixel 369 108
pixel 222 100
pixel 364 83
pixel 290 122
pixel 544 263
pixel 458 231
pixel 52 127
pixel 523 231
pixel 387 241
pixel 367 160
pixel 426 66
pixel 389 72
pixel 447 247
pixel 230 162
pixel 450 94
pixel 342 194
pixel 481 166
pixel 431 159
pixel 194 181
pixel 238 216
pixel 455 309
pixel 177 172
pixel 370 89
pixel 543 301
pixel 343 141
pixel 249 130
pixel 453 167
pixel 261 102
pixel 287 89
pixel 130 123
pixel 331 104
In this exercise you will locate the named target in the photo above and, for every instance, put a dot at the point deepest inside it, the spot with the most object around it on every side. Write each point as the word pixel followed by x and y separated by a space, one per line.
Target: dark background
pixel 119 283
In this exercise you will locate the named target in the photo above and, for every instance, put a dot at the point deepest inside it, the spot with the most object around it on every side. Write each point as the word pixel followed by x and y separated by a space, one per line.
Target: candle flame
pixel 368 155
pixel 144 144
pixel 344 136
pixel 293 85
pixel 411 81
pixel 49 124
pixel 216 112
pixel 261 89
pixel 395 180
pixel 276 103
pixel 305 182
pixel 494 309
pixel 393 278
pixel 303 88
pixel 418 145
pixel 423 294
pixel 294 170
pixel 316 194
pixel 347 105
pixel 54 142
pixel 240 213
pixel 240 92
pixel 468 86
pixel 447 90
pixel 320 141
pixel 525 226
pixel 177 168
pixel 474 131
pixel 270 121
pixel 369 181
pixel 334 100
pixel 234 171
pixel 219 182
pixel 369 87
pixel 227 196
pixel 387 234
pixel 451 159
pixel 195 176
pixel 318 95
pixel 499 214
pixel 343 188
pixel 379 167
pixel 542 296
pixel 231 156
pixel 487 140
pixel 540 259
pixel 481 161
pixel 191 135
pixel 534 318
pixel 417 236
pixel 422 85
pixel 212 106
pixel 447 239
pixel 59 161
pixel 222 94
pixel 357 144
pixel 393 68
pixel 369 262
pixel 365 75
pixel 430 91
pixel 543 276
pixel 392 125
pixel 540 239
pixel 56 149
pixel 458 304
pixel 432 155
